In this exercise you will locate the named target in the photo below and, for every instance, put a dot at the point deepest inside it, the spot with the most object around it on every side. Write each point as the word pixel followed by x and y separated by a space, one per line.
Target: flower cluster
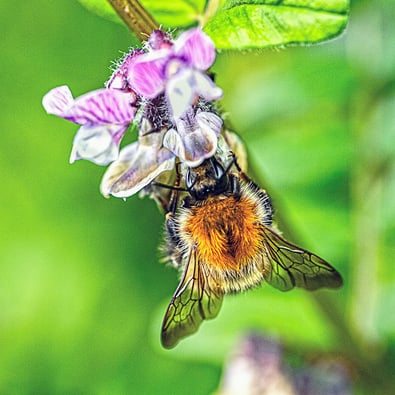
pixel 165 91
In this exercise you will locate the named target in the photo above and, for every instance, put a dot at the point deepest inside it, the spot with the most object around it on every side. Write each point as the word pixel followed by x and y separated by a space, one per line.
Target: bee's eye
pixel 218 170
pixel 220 176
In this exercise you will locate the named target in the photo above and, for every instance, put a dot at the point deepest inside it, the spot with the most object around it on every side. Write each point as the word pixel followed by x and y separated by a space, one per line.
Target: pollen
pixel 226 232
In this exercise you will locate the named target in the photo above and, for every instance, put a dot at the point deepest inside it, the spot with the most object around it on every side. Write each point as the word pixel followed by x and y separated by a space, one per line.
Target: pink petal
pixel 159 40
pixel 58 100
pixel 118 80
pixel 197 47
pixel 103 106
pixel 146 74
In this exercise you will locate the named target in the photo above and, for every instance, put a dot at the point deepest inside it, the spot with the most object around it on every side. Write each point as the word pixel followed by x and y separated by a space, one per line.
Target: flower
pixel 105 115
pixel 177 69
pixel 164 89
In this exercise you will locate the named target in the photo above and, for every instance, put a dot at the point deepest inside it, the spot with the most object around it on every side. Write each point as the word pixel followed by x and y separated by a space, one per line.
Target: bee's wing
pixel 292 266
pixel 197 298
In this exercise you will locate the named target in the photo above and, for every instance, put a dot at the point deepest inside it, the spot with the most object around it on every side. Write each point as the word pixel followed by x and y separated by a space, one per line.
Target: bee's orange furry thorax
pixel 226 231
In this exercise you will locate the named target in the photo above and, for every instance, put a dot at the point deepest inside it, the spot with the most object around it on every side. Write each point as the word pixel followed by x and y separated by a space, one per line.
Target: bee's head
pixel 210 178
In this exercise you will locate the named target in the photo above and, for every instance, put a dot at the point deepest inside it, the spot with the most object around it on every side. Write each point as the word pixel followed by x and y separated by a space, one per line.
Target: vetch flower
pixel 105 115
pixel 165 91
pixel 178 70
pixel 194 139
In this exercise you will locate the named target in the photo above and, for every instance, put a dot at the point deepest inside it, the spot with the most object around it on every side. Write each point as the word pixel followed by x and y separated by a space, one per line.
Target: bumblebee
pixel 222 239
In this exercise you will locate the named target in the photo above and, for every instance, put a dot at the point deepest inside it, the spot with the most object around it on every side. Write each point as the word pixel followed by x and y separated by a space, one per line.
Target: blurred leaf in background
pixel 81 291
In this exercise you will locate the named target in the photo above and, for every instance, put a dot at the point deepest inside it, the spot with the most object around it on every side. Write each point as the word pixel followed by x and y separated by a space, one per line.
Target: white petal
pixel 58 100
pixel 149 138
pixel 180 92
pixel 205 87
pixel 184 88
pixel 136 167
pixel 209 120
pixel 96 144
pixel 194 143
pixel 173 142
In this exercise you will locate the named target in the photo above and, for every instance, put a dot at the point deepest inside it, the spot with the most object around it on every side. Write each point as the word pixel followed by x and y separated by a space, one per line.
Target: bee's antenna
pixel 173 202
pixel 242 175
pixel 171 187
pixel 176 186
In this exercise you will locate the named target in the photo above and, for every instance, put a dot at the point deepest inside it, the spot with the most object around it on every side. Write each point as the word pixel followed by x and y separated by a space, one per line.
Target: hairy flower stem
pixel 136 17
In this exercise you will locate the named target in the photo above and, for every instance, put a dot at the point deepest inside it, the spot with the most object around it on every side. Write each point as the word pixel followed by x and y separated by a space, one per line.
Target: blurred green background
pixel 82 292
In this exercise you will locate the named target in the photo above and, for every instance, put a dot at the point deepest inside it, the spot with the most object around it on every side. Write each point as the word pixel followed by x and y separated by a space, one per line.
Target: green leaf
pixel 272 23
pixel 175 13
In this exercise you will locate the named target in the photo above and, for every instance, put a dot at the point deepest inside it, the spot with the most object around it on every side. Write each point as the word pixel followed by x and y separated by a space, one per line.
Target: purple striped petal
pixel 118 80
pixel 58 100
pixel 197 47
pixel 103 106
pixel 146 73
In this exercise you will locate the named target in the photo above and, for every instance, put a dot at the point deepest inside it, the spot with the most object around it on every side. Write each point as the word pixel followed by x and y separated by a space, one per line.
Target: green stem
pixel 210 10
pixel 325 301
pixel 136 17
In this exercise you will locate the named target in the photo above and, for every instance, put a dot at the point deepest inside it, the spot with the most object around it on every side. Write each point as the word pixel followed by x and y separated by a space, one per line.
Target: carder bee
pixel 222 239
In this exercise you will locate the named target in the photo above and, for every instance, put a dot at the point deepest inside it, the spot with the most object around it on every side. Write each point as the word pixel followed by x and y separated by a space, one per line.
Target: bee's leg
pixel 262 194
pixel 170 201
pixel 175 192
pixel 163 202
pixel 170 221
